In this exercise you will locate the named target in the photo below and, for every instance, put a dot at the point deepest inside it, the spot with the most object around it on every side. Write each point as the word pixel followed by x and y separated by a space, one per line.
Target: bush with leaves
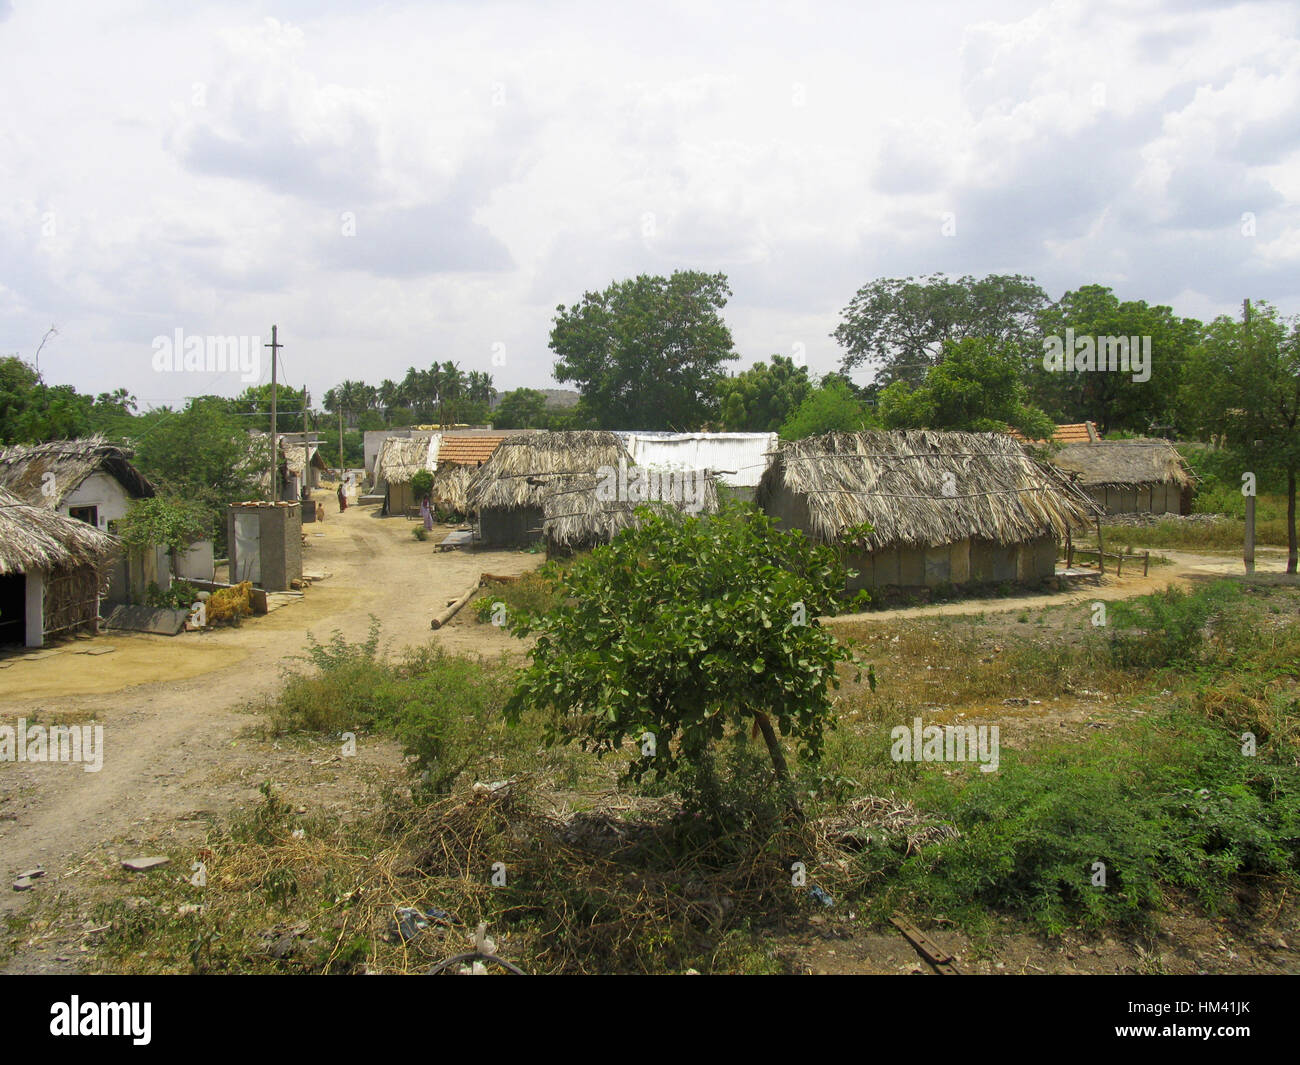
pixel 688 628
pixel 1166 628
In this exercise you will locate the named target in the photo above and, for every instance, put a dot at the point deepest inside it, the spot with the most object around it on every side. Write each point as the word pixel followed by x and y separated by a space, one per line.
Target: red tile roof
pixel 1074 433
pixel 467 450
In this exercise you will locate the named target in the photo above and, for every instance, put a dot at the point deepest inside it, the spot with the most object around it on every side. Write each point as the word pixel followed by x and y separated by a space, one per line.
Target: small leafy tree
pixel 421 484
pixel 175 524
pixel 684 628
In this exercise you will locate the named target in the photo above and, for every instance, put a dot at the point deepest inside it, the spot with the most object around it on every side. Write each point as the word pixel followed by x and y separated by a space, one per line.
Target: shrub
pixel 1166 628
pixel 686 628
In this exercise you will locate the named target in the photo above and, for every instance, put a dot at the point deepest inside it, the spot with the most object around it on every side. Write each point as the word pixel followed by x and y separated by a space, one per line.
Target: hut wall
pixel 790 510
pixel 400 497
pixel 71 601
pixel 102 492
pixel 1164 497
pixel 959 562
pixel 196 563
pixel 510 527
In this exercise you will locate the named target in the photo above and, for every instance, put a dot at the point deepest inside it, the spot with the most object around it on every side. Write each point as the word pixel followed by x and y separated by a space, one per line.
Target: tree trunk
pixel 773 745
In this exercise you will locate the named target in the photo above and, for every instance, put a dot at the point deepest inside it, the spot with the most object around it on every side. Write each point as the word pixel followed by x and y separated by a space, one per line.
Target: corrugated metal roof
pixel 739 459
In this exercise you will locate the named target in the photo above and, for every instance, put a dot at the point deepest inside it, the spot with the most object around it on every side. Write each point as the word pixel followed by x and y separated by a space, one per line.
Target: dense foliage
pixel 685 629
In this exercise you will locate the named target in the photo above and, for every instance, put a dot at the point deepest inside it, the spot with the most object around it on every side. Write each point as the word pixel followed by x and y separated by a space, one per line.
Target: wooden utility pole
pixel 342 464
pixel 1248 555
pixel 275 346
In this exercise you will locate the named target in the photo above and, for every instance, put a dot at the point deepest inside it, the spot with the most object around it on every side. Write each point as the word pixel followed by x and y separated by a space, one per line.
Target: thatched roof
pixel 574 514
pixel 522 467
pixel 401 458
pixel 896 481
pixel 23 469
pixel 1113 463
pixel 35 537
pixel 451 487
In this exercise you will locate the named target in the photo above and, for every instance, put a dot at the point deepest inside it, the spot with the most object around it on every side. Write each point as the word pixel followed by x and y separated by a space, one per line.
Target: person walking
pixel 426 513
pixel 343 498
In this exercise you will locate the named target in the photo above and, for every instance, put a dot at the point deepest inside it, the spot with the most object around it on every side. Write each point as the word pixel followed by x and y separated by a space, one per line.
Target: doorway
pixel 13 609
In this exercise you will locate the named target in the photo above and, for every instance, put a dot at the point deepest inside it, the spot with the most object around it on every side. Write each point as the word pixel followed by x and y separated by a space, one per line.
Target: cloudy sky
pixel 395 183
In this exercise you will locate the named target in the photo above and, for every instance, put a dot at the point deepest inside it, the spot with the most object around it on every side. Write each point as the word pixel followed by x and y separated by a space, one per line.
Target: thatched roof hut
pixel 401 458
pixel 509 490
pixel 578 514
pixel 35 537
pixel 921 488
pixel 451 488
pixel 943 507
pixel 52 571
pixel 521 468
pixel 26 469
pixel 1129 476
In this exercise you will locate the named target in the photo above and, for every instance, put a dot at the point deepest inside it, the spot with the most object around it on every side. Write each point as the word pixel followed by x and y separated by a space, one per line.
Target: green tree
pixel 646 353
pixel 1242 389
pixel 1114 400
pixel 899 325
pixel 831 407
pixel 976 388
pixel 201 453
pixel 254 407
pixel 760 399
pixel 522 408
pixel 686 628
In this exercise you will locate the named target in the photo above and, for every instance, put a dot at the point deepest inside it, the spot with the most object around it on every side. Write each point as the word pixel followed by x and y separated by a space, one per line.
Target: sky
pixel 397 183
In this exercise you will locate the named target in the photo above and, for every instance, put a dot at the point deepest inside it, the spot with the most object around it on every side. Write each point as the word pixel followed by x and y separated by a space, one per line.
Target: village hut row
pixel 450 459
pixel 959 508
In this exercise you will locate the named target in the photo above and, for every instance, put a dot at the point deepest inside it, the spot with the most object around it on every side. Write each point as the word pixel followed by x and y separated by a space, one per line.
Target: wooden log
pixel 441 619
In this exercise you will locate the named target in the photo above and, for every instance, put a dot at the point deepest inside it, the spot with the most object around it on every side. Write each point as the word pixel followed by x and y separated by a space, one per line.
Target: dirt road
pixel 173 709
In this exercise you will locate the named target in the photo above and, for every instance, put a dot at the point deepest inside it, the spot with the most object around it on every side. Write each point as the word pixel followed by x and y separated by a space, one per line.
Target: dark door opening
pixel 13 609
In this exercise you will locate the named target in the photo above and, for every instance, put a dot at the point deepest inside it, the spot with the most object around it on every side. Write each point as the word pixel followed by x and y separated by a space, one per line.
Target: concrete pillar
pixel 35 608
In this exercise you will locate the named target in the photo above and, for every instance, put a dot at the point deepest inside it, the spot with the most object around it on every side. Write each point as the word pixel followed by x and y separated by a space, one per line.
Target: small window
pixel 90 515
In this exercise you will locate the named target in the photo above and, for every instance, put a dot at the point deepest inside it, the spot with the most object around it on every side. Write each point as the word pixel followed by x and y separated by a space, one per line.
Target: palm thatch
pixel 24 469
pixel 37 538
pixel 451 487
pixel 401 458
pixel 576 514
pixel 1124 463
pixel 920 488
pixel 523 470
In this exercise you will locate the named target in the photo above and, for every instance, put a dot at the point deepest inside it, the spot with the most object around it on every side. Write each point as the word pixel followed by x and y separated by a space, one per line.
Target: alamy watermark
pixel 1098 354
pixel 647 484
pixel 53 743
pixel 208 354
pixel 946 743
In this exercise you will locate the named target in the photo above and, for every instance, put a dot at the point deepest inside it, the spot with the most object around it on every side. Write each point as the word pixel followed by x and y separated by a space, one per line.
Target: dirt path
pixel 173 709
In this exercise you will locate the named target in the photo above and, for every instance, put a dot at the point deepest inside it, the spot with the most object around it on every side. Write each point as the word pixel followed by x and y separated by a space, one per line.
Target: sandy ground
pixel 175 709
